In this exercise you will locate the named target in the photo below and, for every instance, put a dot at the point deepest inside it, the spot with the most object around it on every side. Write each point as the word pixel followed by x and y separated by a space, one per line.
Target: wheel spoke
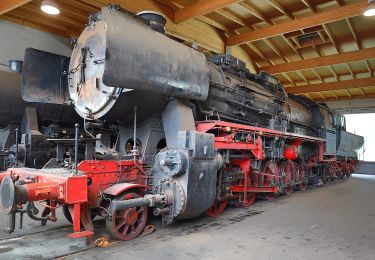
pixel 125 230
pixel 121 224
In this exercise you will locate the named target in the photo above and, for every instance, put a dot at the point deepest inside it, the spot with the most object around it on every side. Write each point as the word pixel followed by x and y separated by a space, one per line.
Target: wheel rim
pixel 128 223
pixel 217 208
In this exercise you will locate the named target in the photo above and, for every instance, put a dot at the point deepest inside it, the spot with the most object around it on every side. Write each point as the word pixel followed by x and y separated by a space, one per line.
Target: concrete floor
pixel 336 221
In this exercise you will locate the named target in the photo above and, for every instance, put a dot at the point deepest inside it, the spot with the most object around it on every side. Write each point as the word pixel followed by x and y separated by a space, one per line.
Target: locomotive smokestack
pixel 155 20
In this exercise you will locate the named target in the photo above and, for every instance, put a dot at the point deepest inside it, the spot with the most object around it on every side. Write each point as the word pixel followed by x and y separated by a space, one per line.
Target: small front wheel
pixel 127 224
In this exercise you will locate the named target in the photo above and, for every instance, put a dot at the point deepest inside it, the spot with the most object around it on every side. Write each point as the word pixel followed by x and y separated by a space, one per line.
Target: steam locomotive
pixel 169 130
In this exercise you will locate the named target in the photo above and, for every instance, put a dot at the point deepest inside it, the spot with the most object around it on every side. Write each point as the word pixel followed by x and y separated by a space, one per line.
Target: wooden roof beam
pixel 200 8
pixel 344 57
pixel 9 5
pixel 346 98
pixel 329 86
pixel 331 15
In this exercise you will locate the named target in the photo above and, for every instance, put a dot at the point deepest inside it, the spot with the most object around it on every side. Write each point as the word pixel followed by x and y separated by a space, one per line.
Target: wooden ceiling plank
pixel 334 94
pixel 354 34
pixel 251 9
pixel 289 79
pixel 92 5
pixel 259 53
pixel 232 17
pixel 171 4
pixel 9 5
pixel 317 75
pixel 348 93
pixel 331 15
pixel 351 71
pixel 330 36
pixel 369 68
pixel 363 93
pixel 277 51
pixel 339 2
pixel 317 50
pixel 292 47
pixel 310 5
pixel 213 23
pixel 65 6
pixel 303 77
pixel 280 8
pixel 329 86
pixel 61 17
pixel 334 73
pixel 321 96
pixel 200 8
pixel 46 20
pixel 344 57
pixel 37 26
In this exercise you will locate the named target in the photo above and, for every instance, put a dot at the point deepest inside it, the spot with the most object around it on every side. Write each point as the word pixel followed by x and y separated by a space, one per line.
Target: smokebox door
pixel 44 77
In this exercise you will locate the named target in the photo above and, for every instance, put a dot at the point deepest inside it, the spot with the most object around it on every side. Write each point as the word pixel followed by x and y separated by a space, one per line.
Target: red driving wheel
pixel 270 178
pixel 289 169
pixel 302 178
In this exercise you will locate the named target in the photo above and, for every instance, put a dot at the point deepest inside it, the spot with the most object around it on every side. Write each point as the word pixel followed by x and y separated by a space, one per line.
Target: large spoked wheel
pixel 128 223
pixel 289 169
pixel 302 175
pixel 217 208
pixel 270 178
